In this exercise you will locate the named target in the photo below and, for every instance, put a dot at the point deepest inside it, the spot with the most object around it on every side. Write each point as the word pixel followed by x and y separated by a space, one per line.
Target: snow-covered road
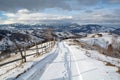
pixel 60 68
pixel 69 63
pixel 72 64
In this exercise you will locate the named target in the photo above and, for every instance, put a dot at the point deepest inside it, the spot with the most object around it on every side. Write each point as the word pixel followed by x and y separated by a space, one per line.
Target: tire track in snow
pixel 76 64
pixel 37 70
pixel 77 67
pixel 56 67
pixel 67 60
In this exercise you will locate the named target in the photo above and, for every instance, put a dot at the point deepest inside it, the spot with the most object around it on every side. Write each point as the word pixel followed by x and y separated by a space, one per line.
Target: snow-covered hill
pixel 9 38
pixel 107 43
pixel 90 28
pixel 64 62
pixel 71 27
pixel 29 34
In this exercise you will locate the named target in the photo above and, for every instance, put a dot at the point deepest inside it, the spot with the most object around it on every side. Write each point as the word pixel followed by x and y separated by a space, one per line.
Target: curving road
pixel 71 64
pixel 66 63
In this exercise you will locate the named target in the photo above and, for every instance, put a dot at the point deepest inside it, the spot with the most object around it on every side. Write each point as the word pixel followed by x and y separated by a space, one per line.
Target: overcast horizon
pixel 53 11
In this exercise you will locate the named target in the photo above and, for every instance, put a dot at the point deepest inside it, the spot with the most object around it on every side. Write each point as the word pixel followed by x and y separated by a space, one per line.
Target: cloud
pixel 80 4
pixel 114 1
pixel 32 4
pixel 98 16
pixel 88 2
pixel 95 16
pixel 23 11
pixel 117 11
pixel 88 11
pixel 11 5
pixel 26 16
pixel 83 11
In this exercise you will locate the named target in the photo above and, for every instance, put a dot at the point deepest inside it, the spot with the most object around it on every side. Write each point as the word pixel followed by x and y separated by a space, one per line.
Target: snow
pixel 88 67
pixel 103 41
pixel 35 72
pixel 56 69
pixel 67 62
pixel 94 68
pixel 75 65
pixel 96 55
pixel 64 34
pixel 12 70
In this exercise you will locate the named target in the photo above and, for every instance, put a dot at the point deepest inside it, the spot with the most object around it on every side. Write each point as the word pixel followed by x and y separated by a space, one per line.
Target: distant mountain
pixel 116 31
pixel 92 28
pixel 34 33
pixel 73 28
pixel 21 37
pixel 66 27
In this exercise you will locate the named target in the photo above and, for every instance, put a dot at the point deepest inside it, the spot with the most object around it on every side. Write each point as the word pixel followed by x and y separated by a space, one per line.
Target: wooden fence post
pixel 37 51
pixel 45 48
pixel 42 48
pixel 54 41
pixel 24 53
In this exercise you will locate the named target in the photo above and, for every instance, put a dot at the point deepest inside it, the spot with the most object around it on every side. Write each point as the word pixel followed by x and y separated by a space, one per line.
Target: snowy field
pixel 72 63
pixel 66 62
pixel 102 41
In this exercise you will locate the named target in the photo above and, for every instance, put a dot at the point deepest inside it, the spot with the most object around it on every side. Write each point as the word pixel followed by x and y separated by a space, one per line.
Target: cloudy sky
pixel 49 11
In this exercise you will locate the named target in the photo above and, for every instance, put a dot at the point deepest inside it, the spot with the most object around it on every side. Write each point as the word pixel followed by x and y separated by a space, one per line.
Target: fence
pixel 37 50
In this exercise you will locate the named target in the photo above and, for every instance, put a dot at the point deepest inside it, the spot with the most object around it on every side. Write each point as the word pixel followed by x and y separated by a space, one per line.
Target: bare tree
pixel 48 35
pixel 116 43
pixel 20 50
pixel 110 49
pixel 116 46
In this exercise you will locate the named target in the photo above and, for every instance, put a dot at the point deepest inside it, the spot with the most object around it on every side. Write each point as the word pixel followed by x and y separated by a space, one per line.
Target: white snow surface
pixel 103 41
pixel 68 62
pixel 72 64
pixel 11 70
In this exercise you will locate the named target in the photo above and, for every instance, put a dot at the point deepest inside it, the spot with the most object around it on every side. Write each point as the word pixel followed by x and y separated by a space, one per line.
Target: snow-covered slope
pixel 71 27
pixel 103 41
pixel 92 28
pixel 66 62
pixel 35 33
